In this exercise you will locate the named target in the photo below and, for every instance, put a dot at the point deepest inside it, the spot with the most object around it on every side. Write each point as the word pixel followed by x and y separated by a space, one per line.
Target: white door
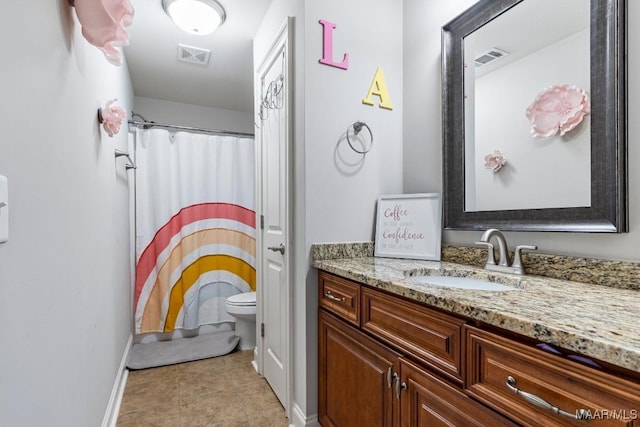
pixel 274 287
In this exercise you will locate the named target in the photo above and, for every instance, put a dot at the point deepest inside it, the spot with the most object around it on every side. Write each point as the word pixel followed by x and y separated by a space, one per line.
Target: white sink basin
pixel 463 283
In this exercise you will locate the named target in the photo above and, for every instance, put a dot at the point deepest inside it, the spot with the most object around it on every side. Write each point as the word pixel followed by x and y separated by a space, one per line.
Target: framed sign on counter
pixel 409 226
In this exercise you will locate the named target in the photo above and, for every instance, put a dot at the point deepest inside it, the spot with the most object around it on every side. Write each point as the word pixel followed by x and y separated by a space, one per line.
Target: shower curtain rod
pixel 147 125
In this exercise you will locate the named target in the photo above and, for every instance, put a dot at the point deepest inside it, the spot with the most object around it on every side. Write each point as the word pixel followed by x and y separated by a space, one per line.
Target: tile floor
pixel 221 391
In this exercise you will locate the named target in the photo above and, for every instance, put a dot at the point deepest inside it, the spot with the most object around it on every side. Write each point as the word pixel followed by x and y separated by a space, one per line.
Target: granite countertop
pixel 597 321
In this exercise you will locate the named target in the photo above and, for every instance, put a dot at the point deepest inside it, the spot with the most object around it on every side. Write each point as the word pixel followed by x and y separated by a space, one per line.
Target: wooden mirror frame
pixel 608 212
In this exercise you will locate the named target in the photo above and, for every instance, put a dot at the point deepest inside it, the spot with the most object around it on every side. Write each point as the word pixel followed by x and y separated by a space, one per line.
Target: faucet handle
pixel 517 258
pixel 490 256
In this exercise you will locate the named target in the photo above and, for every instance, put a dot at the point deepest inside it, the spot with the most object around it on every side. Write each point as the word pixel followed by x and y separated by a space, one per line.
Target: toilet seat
pixel 242 308
pixel 244 299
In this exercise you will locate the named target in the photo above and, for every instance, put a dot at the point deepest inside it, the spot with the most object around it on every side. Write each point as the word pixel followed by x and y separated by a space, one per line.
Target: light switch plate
pixel 4 209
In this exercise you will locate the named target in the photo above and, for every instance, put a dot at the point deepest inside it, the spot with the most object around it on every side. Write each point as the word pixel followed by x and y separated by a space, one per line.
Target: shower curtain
pixel 195 227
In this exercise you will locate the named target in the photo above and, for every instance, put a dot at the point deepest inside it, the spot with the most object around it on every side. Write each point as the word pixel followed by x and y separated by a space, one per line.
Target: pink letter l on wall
pixel 327 47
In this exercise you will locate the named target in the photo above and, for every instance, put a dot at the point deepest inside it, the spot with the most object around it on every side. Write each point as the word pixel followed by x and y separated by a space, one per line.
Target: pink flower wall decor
pixel 495 161
pixel 111 117
pixel 103 25
pixel 557 109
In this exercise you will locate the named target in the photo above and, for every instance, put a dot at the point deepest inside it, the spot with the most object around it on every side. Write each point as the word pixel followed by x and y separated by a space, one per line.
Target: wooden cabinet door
pixel 427 401
pixel 354 377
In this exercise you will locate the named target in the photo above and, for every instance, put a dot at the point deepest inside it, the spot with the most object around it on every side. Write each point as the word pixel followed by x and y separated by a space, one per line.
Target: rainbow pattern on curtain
pixel 203 244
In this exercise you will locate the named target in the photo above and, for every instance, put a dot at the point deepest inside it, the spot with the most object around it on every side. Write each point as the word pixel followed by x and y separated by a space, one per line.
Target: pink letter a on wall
pixel 327 47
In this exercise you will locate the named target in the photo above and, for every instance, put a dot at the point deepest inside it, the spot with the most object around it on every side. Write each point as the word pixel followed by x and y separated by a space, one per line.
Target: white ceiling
pixel 226 82
pixel 519 34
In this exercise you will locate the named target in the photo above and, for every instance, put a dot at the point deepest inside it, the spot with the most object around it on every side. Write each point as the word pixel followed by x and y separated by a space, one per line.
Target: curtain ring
pixel 357 127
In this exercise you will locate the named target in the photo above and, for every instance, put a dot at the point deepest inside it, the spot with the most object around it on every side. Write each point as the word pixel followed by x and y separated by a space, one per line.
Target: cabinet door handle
pixel 390 376
pixel 399 386
pixel 332 297
pixel 581 414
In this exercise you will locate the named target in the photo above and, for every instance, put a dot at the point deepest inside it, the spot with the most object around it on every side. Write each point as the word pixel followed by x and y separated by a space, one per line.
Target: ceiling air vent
pixel 490 56
pixel 195 55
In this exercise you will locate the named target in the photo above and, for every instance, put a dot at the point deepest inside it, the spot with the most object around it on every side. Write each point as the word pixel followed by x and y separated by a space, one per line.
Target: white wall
pixel 64 274
pixel 177 113
pixel 536 172
pixel 423 132
pixel 422 126
pixel 335 189
pixel 342 186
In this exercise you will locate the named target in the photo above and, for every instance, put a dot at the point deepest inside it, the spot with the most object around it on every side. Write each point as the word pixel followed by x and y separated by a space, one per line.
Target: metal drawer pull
pixel 581 414
pixel 333 297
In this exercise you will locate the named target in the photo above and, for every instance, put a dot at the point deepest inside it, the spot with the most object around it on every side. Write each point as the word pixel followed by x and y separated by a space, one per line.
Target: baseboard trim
pixel 299 419
pixel 113 408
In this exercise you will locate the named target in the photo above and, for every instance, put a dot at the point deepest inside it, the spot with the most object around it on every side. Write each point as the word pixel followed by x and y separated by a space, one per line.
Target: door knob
pixel 277 248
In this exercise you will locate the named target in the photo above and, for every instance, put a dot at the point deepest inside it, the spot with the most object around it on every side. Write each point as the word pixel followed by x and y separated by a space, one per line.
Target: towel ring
pixel 357 127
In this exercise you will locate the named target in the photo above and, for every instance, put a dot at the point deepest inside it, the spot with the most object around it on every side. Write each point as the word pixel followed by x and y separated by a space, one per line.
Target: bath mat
pixel 162 353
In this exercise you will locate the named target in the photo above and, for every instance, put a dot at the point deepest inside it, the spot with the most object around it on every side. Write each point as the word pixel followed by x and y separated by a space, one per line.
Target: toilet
pixel 243 308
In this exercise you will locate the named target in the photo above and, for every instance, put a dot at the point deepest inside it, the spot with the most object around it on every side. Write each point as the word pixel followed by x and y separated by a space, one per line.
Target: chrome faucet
pixel 503 264
pixel 502 246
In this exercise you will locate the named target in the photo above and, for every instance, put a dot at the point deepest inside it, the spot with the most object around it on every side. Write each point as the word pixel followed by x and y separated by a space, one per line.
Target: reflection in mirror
pixel 534 116
pixel 508 62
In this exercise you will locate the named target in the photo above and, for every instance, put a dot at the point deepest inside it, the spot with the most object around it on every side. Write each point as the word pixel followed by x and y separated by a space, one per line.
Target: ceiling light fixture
pixel 199 17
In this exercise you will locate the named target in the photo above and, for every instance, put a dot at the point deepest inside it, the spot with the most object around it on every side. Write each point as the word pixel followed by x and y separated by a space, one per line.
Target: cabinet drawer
pixel 494 361
pixel 425 334
pixel 340 296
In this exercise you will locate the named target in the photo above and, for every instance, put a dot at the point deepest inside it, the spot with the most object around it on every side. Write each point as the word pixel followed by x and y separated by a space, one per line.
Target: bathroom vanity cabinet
pixel 384 361
pixel 388 361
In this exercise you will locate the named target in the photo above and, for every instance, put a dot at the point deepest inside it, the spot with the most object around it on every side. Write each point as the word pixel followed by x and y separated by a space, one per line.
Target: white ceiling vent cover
pixel 194 55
